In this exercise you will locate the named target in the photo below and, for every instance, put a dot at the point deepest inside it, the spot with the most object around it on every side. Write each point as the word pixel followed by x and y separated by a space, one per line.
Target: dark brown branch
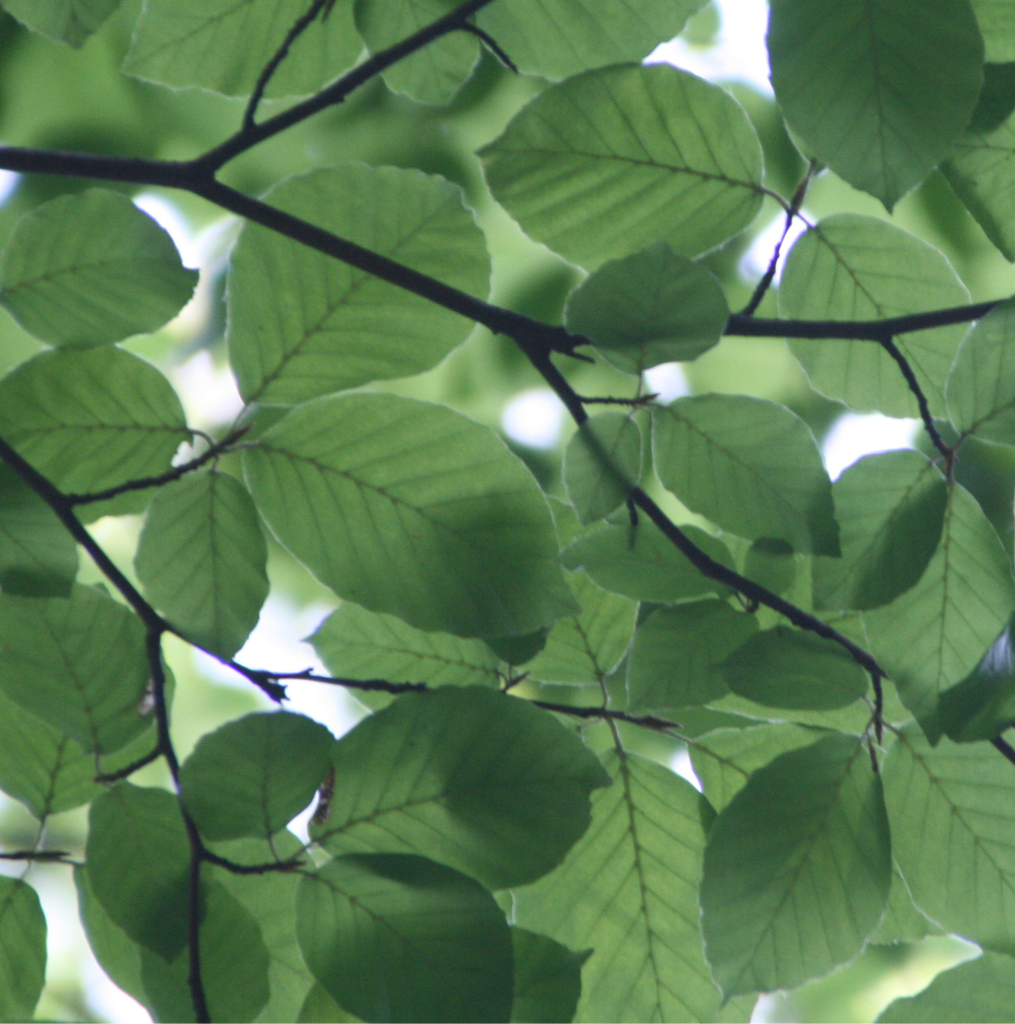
pixel 129 770
pixel 491 44
pixel 1005 748
pixel 51 856
pixel 269 867
pixel 194 980
pixel 645 721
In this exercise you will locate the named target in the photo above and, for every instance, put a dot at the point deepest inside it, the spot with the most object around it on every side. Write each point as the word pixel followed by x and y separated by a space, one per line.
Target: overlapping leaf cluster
pixel 470 856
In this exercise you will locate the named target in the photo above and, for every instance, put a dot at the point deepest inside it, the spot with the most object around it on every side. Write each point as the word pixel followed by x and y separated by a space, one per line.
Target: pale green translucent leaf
pixel 850 267
pixel 357 644
pixel 890 509
pixel 878 90
pixel 319 1006
pixel 977 990
pixel 303 324
pixel 223 45
pixel 903 921
pixel 996 19
pixel 613 160
pixel 201 559
pixel 602 463
pixel 431 75
pixel 629 891
pixel 750 466
pixel 90 268
pixel 981 387
pixel 478 780
pixel 548 979
pixel 982 706
pixel 22 949
pixel 791 668
pixel 772 563
pixel 556 38
pixel 650 308
pixel 797 868
pixel 91 420
pixel 584 648
pixel 79 663
pixel 952 809
pixel 410 508
pixel 394 937
pixel 65 21
pixel 675 657
pixel 38 557
pixel 935 634
pixel 138 860
pixel 724 759
pixel 642 562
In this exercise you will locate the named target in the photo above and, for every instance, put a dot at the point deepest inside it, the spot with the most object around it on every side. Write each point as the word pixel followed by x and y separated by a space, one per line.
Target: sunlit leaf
pixel 997 24
pixel 878 90
pixel 903 921
pixel 613 160
pixel 478 780
pixel 411 508
pixel 22 949
pixel 750 466
pixel 850 267
pixel 797 868
pixel 548 979
pixel 399 938
pixel 602 463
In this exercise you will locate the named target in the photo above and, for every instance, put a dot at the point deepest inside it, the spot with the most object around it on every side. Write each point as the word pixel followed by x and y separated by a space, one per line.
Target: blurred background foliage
pixel 57 98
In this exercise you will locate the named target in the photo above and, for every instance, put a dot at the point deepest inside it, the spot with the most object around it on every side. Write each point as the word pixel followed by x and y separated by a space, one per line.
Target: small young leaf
pixel 90 268
pixel 791 668
pixel 252 776
pixel 201 559
pixel 890 509
pixel 602 463
pixel 797 868
pixel 64 21
pixel 79 664
pixel 478 780
pixel 22 949
pixel 548 979
pixel 879 90
pixel 138 861
pixel 751 466
pixel 410 508
pixel 395 937
pixel 650 308
pixel 612 160
pixel 675 658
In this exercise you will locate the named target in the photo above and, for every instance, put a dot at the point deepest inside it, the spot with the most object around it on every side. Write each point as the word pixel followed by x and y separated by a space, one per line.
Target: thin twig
pixel 45 856
pixel 269 867
pixel 491 44
pixel 653 722
pixel 1005 747
pixel 123 773
pixel 634 403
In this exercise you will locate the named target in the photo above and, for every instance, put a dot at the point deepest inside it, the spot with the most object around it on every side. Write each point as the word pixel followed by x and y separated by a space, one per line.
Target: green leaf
pixel 772 563
pixel 319 1006
pixel 38 557
pixel 602 464
pixel 629 890
pixel 791 668
pixel 223 45
pixel 952 809
pixel 878 90
pixel 399 938
pixel 675 658
pixel 642 562
pixel 981 387
pixel 303 324
pixel 724 759
pixel 557 38
pixel 750 466
pixel 411 508
pixel 357 644
pixel 977 990
pixel 64 21
pixel 997 24
pixel 903 920
pixel 548 979
pixel 890 509
pixel 850 267
pixel 138 860
pixel 252 776
pixel 935 634
pixel 90 268
pixel 613 160
pixel 22 949
pixel 518 650
pixel 650 308
pixel 433 74
pixel 481 781
pixel 797 868
pixel 79 664
pixel 584 648
pixel 91 420
pixel 201 559
pixel 982 706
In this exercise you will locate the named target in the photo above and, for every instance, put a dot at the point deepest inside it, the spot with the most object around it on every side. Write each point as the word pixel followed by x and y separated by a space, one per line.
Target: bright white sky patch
pixel 207 390
pixel 754 262
pixel 534 418
pixel 168 217
pixel 668 381
pixel 853 436
pixel 8 183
